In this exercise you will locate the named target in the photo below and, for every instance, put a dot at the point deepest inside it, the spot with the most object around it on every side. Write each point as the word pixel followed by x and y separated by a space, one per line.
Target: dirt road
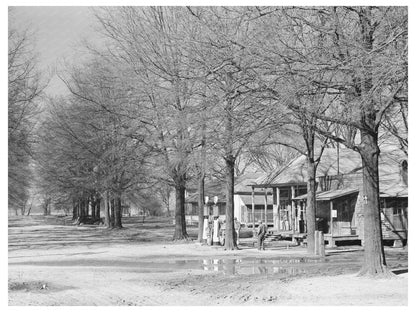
pixel 54 263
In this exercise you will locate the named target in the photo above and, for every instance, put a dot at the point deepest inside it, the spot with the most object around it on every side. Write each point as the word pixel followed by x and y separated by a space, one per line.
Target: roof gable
pixel 295 172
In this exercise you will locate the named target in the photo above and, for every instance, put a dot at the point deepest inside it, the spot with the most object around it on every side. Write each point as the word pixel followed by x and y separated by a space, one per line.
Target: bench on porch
pixel 332 239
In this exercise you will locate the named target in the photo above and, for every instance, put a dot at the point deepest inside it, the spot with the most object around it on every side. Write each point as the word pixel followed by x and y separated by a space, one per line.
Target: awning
pixel 329 195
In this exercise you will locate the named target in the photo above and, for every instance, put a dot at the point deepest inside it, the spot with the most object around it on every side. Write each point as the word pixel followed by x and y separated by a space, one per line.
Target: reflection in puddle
pixel 258 266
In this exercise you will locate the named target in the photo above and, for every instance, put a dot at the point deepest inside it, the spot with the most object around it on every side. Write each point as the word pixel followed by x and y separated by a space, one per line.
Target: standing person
pixel 237 227
pixel 261 235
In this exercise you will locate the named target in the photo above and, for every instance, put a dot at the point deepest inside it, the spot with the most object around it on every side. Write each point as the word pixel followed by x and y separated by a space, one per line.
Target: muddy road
pixel 52 262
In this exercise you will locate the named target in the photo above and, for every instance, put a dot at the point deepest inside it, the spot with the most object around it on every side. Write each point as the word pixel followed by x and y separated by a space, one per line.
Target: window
pixel 300 191
pixel 397 211
pixel 284 194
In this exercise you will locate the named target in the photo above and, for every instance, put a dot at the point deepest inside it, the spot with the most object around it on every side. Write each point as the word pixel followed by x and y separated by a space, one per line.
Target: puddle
pixel 238 266
pixel 287 267
pixel 242 266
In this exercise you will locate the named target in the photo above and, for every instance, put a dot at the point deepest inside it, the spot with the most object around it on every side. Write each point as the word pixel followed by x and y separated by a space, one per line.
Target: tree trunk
pixel 30 208
pixel 180 225
pixel 112 213
pixel 87 206
pixel 49 206
pixel 93 206
pixel 74 209
pixel 107 210
pixel 79 206
pixel 117 215
pixel 201 186
pixel 201 207
pixel 311 205
pixel 374 258
pixel 79 210
pixel 98 207
pixel 82 207
pixel 230 239
pixel 23 208
pixel 167 200
pixel 46 208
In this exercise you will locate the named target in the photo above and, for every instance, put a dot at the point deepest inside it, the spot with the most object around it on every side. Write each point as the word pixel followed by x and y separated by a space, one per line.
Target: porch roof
pixel 330 195
pixel 218 188
pixel 395 190
pixel 258 199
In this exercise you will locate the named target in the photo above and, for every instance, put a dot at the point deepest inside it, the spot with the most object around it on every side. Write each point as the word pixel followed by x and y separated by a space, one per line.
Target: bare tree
pixel 366 49
pixel 152 41
pixel 237 113
pixel 91 148
pixel 24 89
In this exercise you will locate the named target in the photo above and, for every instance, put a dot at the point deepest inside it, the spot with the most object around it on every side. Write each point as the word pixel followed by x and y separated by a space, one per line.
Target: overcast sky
pixel 59 31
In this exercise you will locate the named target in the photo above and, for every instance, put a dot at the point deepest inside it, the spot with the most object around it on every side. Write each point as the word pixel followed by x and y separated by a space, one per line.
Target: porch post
pixel 278 208
pixel 331 205
pixel 293 212
pixel 265 206
pixel 297 215
pixel 252 209
pixel 276 213
pixel 331 224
